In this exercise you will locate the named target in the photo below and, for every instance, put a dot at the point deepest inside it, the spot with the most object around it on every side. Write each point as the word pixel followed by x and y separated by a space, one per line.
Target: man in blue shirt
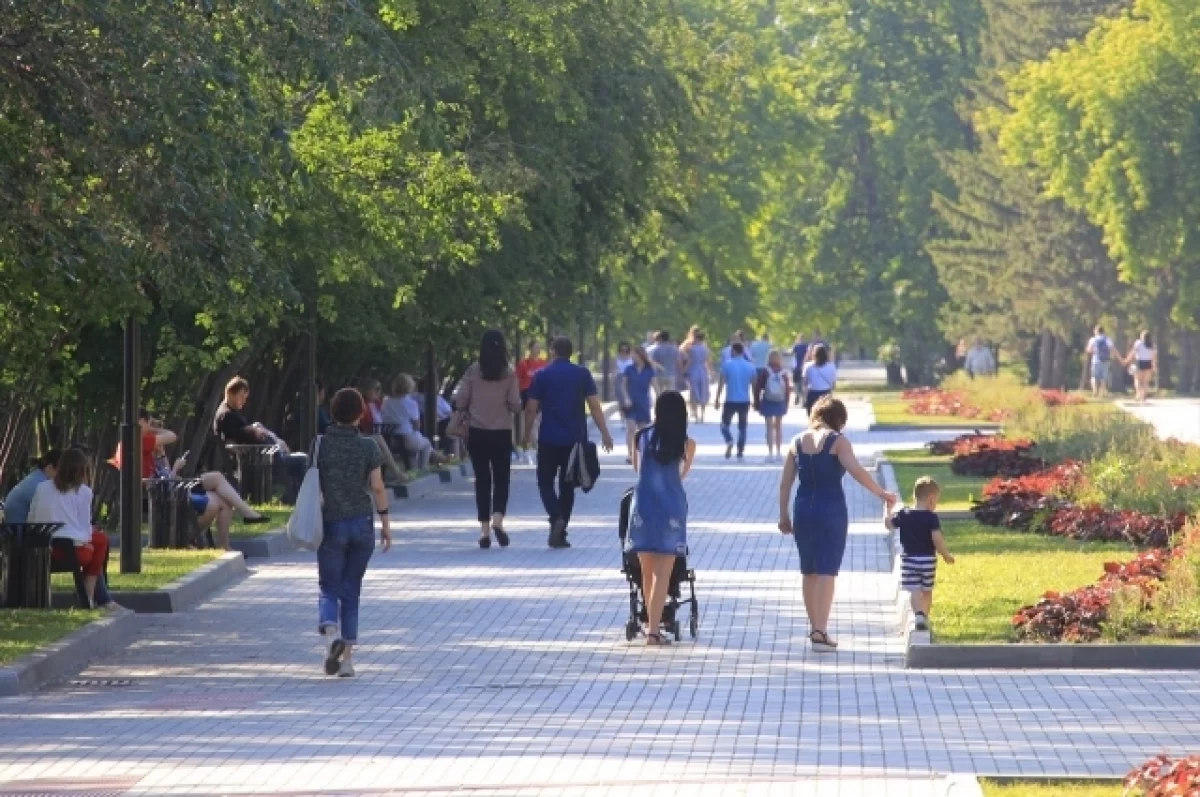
pixel 737 375
pixel 560 391
pixel 17 502
pixel 760 351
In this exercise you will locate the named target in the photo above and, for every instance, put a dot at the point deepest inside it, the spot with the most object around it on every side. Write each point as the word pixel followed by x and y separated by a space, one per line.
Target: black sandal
pixel 485 542
pixel 821 641
pixel 501 536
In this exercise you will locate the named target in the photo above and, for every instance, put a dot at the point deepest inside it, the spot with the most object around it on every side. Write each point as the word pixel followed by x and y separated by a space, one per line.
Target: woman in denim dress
pixel 658 514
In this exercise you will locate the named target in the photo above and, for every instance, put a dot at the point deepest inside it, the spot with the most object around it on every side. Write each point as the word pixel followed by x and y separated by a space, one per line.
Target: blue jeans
pixel 294 467
pixel 741 409
pixel 341 564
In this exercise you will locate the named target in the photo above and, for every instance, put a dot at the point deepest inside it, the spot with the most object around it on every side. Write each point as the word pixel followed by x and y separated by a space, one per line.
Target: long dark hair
pixel 72 470
pixel 493 355
pixel 820 355
pixel 1147 341
pixel 668 435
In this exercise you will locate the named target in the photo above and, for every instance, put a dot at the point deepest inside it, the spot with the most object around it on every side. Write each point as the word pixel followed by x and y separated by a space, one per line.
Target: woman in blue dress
pixel 633 391
pixel 819 521
pixel 696 356
pixel 658 516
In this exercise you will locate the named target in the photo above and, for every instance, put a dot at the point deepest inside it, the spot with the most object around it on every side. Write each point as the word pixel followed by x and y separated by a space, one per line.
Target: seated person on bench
pixel 67 499
pixel 213 499
pixel 231 427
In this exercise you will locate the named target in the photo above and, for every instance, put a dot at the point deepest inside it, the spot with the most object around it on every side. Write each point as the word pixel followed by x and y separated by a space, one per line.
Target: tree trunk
pixel 1162 344
pixel 1058 374
pixel 895 375
pixel 1046 359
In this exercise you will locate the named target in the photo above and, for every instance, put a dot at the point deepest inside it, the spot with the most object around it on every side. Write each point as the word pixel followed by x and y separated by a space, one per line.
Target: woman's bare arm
pixel 786 478
pixel 845 455
pixel 689 454
pixel 382 502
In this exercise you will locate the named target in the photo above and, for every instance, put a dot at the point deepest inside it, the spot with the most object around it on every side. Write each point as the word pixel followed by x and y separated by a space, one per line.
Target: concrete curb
pixel 69 655
pixel 264 546
pixel 193 588
pixel 909 427
pixel 433 481
pixel 923 654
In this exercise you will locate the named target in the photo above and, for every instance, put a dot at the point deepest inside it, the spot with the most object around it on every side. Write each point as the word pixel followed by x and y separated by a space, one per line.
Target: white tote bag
pixel 305 528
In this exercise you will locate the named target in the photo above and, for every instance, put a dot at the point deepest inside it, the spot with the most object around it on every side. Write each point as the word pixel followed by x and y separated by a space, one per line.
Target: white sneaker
pixel 347 670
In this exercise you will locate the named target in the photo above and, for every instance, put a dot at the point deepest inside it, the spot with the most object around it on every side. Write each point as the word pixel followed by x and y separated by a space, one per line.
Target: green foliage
pixel 1108 124
pixel 1083 433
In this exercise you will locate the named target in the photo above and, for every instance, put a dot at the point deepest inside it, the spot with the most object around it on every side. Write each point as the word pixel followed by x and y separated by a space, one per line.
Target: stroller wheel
pixel 631 630
pixel 678 631
pixel 694 625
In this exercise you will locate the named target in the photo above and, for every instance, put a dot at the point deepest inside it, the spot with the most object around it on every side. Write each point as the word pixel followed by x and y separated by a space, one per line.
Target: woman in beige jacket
pixel 490 397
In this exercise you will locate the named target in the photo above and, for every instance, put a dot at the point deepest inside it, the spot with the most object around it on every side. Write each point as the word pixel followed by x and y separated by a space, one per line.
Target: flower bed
pixel 1077 616
pixel 947 403
pixel 1163 776
pixel 993 455
pixel 1061 398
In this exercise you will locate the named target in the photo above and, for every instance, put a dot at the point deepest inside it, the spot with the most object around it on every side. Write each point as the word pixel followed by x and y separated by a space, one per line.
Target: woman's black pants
pixel 491 458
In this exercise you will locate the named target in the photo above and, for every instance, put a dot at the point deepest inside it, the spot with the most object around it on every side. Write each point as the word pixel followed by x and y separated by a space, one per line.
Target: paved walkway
pixel 507 672
pixel 1178 418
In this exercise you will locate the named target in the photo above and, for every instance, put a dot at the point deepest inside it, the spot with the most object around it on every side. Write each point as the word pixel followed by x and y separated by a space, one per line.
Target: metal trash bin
pixel 254 471
pixel 172 521
pixel 27 564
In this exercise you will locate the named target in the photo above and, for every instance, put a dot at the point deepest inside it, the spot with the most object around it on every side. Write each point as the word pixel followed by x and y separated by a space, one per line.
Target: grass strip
pixel 957 491
pixel 278 513
pixel 159 568
pixel 1063 787
pixel 998 571
pixel 23 631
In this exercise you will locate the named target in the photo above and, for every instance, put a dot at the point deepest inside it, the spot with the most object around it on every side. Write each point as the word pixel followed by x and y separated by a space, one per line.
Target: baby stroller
pixel 632 569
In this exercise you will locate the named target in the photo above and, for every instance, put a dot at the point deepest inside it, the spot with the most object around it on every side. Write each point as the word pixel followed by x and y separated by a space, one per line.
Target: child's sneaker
pixel 920 622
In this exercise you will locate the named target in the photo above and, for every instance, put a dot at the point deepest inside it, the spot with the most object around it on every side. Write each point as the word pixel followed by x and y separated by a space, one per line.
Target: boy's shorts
pixel 917 573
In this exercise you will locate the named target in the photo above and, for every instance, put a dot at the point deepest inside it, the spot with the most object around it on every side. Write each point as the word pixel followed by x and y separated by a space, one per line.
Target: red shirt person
pixel 526 369
pixel 152 438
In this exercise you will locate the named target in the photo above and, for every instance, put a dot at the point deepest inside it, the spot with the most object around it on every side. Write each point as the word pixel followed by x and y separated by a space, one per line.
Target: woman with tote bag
pixel 349 469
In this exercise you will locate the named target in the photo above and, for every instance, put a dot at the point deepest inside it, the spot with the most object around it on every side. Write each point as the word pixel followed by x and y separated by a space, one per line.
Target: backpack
pixel 1103 354
pixel 775 389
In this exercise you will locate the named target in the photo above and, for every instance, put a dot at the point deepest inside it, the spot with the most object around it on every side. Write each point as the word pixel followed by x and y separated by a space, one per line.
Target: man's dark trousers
pixel 551 468
pixel 741 409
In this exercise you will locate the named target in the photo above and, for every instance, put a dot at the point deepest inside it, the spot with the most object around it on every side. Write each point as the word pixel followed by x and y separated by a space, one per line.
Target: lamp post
pixel 131 452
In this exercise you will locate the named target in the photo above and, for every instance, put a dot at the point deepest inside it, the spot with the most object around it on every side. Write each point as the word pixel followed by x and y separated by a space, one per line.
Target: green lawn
pixel 957 491
pixel 999 571
pixel 159 568
pixel 1052 788
pixel 24 630
pixel 892 410
pixel 278 513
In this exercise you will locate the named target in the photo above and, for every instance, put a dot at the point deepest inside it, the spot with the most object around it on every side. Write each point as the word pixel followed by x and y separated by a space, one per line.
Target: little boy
pixel 920 540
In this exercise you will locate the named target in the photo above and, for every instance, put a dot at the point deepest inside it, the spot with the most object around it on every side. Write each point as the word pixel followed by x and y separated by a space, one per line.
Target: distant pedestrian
pixel 658 515
pixel 1144 360
pixel 490 397
pixel 727 352
pixel 819 519
pixel 799 356
pixel 772 389
pixel 921 541
pixel 526 369
pixel 819 375
pixel 818 341
pixel 633 392
pixel 737 377
pixel 560 391
pixel 352 496
pixel 1101 348
pixel 979 360
pixel 696 365
pixel 760 350
pixel 665 355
